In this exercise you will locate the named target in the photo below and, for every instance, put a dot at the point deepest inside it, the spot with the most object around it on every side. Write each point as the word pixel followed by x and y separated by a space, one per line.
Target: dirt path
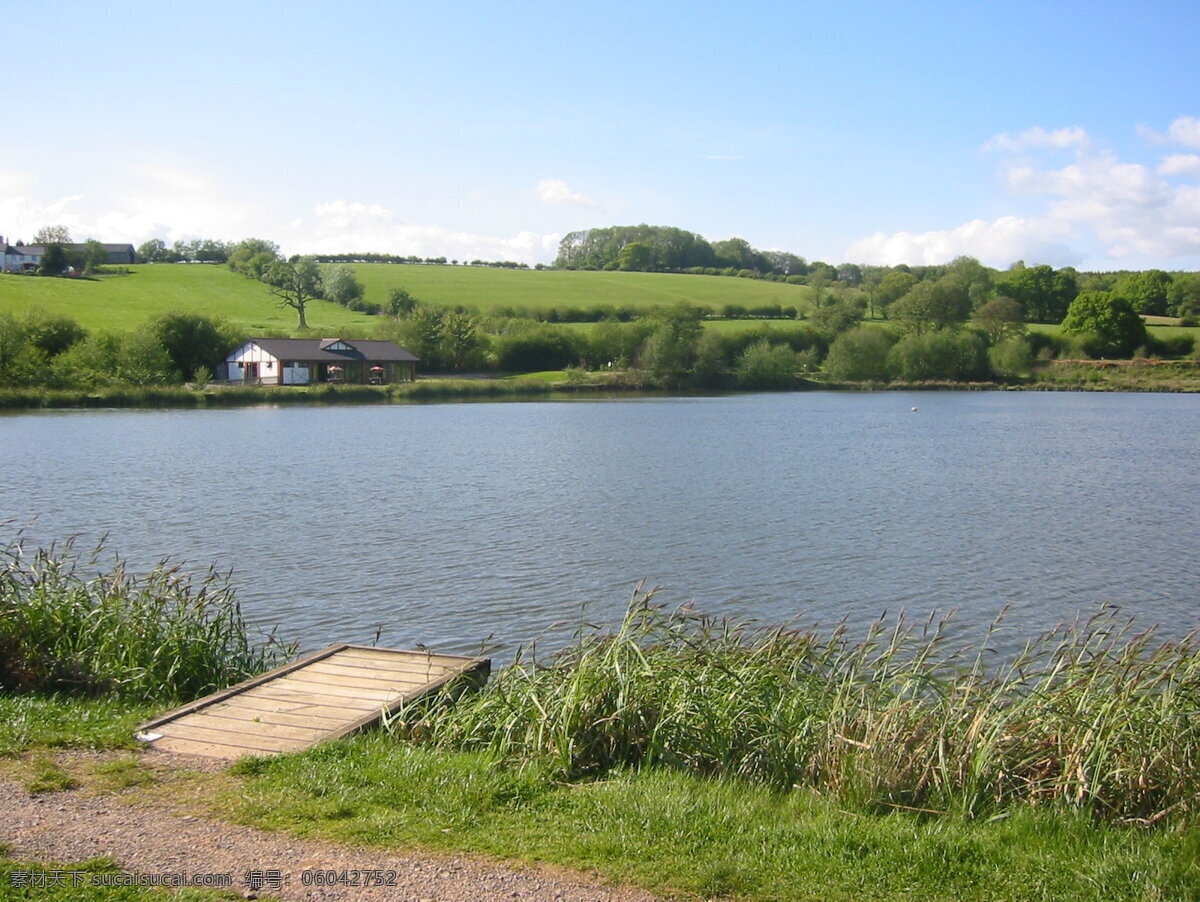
pixel 75 825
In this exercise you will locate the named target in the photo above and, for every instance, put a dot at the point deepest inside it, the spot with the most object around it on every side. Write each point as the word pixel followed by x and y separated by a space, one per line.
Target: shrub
pixel 860 355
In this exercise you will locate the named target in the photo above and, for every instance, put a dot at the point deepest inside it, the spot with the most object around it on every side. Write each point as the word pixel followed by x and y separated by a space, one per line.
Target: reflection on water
pixel 449 524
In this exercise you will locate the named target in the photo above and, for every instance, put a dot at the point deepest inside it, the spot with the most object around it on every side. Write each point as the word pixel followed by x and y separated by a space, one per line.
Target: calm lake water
pixel 458 524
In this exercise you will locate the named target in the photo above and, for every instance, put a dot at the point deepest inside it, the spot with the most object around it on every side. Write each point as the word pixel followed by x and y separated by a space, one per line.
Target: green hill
pixel 125 302
pixel 122 303
pixel 487 289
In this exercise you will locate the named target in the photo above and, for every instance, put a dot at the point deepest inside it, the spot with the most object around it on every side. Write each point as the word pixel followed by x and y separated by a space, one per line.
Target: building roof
pixel 71 248
pixel 314 349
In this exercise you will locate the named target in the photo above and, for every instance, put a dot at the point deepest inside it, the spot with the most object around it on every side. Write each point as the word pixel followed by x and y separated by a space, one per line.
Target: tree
pixel 252 254
pixel 764 365
pixel 893 286
pixel 94 255
pixel 860 355
pixel 296 282
pixel 153 251
pixel 192 341
pixel 1107 323
pixel 932 305
pixel 340 285
pixel 462 343
pixel 953 354
pixel 401 303
pixel 1147 292
pixel 670 349
pixel 55 234
pixel 1043 293
pixel 54 260
pixel 1001 319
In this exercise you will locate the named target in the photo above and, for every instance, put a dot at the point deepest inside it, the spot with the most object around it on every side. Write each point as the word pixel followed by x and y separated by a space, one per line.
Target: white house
pixel 301 361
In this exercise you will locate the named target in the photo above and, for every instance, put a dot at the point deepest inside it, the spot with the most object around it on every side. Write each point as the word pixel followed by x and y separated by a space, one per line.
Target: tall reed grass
pixel 69 625
pixel 1094 714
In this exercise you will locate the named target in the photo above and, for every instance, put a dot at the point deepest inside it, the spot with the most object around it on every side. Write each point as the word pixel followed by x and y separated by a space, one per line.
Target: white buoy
pixel 914 410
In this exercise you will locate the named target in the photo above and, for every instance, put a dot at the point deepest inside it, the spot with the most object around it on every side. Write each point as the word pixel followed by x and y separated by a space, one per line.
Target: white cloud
pixel 345 227
pixel 556 192
pixel 1039 138
pixel 1114 208
pixel 1180 164
pixel 1185 130
pixel 998 243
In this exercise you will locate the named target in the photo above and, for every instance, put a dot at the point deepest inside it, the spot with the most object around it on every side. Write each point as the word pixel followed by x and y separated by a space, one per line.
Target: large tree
pixel 296 282
pixel 1107 324
pixel 1043 292
pixel 55 234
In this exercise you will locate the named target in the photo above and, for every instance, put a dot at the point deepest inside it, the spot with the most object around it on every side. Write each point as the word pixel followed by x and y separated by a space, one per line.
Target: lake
pixel 464 525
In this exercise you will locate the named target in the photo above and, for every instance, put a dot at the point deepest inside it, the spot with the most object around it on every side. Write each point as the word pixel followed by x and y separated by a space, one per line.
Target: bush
pixel 953 354
pixel 764 365
pixel 860 355
pixel 545 349
pixel 1011 357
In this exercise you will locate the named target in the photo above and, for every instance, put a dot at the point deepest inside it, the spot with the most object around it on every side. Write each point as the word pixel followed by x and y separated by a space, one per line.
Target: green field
pixel 485 289
pixel 126 302
pixel 123 303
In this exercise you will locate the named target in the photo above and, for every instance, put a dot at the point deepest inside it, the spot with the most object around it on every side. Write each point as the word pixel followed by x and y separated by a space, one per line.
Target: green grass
pixel 1095 715
pixel 31 720
pixel 670 831
pixel 124 303
pixel 485 289
pixel 68 626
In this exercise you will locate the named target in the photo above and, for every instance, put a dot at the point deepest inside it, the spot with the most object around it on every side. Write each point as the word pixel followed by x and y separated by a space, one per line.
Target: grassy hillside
pixel 125 302
pixel 121 303
pixel 486 289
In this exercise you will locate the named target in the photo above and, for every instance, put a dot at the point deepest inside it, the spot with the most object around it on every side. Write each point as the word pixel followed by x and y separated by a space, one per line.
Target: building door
pixel 250 372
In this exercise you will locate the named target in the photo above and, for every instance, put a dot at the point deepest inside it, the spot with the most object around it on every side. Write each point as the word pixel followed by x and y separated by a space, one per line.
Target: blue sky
pixel 874 132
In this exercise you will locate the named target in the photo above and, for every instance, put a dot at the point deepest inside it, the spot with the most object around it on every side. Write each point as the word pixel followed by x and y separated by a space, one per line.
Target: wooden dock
pixel 320 697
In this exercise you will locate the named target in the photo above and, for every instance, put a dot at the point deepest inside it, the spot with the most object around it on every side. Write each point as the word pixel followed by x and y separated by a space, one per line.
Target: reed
pixel 1094 714
pixel 69 625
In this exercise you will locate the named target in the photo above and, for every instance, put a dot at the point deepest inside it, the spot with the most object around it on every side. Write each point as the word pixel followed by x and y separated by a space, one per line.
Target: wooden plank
pixel 242 686
pixel 349 682
pixel 331 692
pixel 285 694
pixel 210 720
pixel 335 667
pixel 256 704
pixel 180 730
pixel 208 749
pixel 415 659
pixel 321 725
pixel 419 669
pixel 323 696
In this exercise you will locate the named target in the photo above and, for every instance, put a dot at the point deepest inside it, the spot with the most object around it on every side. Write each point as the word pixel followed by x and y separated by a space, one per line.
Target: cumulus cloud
pixel 558 193
pixel 339 226
pixel 998 242
pixel 1186 131
pixel 1125 209
pixel 1039 138
pixel 1180 164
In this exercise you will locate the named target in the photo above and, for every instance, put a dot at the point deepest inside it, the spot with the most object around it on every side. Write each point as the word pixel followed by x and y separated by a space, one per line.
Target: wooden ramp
pixel 320 697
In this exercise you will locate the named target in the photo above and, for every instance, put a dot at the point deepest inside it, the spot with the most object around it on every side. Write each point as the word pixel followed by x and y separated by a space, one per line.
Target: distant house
pixel 303 361
pixel 28 257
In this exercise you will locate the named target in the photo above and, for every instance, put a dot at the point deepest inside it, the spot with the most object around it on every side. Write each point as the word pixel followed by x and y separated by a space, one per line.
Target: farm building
pixel 303 361
pixel 28 257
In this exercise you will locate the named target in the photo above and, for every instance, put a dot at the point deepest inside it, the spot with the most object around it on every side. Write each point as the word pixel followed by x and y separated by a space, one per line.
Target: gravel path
pixel 74 826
